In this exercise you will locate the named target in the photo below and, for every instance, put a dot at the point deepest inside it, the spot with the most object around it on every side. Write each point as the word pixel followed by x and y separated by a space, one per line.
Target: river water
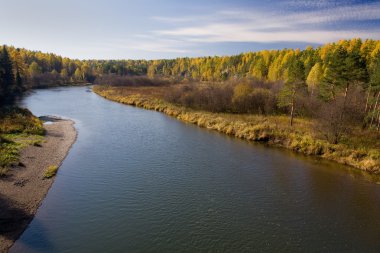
pixel 140 181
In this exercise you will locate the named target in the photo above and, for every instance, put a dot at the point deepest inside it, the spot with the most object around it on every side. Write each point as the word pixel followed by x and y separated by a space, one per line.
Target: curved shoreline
pixel 24 189
pixel 265 133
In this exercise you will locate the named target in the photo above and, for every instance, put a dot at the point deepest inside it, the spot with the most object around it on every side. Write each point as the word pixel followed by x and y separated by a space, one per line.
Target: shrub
pixel 51 171
pixel 15 120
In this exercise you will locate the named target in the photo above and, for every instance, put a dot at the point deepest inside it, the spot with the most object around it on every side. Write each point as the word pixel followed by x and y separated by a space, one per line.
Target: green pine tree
pixel 7 80
pixel 295 82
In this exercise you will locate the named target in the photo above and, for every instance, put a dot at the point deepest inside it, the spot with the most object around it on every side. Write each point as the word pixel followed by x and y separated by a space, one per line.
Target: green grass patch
pixel 51 171
pixel 19 128
pixel 9 152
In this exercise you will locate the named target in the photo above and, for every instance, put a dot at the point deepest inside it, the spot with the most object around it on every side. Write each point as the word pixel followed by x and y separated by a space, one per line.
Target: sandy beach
pixel 22 191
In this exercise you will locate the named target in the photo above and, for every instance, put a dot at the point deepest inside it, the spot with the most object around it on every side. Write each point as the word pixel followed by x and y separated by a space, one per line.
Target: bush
pixel 51 171
pixel 133 81
pixel 16 120
pixel 257 100
pixel 212 98
pixel 17 125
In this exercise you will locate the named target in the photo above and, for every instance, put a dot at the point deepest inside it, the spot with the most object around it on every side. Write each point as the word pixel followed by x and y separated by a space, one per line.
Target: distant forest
pixel 346 73
pixel 37 68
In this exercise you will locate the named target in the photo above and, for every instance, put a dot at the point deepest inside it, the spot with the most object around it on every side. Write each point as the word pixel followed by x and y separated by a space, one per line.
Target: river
pixel 140 181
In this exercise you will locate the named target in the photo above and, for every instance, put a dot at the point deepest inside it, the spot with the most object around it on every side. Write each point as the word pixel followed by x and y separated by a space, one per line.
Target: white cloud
pixel 149 43
pixel 266 26
pixel 159 47
pixel 240 33
pixel 362 12
pixel 317 4
pixel 186 35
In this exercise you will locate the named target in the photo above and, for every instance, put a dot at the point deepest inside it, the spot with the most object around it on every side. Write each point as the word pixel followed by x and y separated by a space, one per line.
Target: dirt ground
pixel 22 191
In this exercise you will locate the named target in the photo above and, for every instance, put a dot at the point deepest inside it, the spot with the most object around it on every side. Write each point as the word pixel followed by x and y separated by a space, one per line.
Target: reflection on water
pixel 139 181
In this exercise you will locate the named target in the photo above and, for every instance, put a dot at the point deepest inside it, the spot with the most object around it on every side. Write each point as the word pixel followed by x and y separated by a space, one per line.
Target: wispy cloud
pixel 370 11
pixel 190 35
pixel 159 47
pixel 317 26
pixel 236 33
pixel 149 43
pixel 168 28
pixel 317 4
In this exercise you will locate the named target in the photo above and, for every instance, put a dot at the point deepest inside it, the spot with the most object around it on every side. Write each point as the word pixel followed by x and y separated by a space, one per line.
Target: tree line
pixel 337 85
pixel 268 65
pixel 333 76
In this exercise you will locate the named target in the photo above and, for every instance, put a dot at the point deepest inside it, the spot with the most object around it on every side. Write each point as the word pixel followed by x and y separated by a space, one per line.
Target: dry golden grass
pixel 273 130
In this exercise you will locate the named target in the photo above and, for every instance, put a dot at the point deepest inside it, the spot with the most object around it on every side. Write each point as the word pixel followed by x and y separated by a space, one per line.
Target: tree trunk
pixel 346 92
pixel 292 108
pixel 292 114
pixel 332 91
pixel 344 102
pixel 374 109
pixel 366 103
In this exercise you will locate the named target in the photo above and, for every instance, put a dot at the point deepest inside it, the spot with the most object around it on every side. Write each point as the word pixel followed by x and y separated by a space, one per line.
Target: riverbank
pixel 271 130
pixel 24 186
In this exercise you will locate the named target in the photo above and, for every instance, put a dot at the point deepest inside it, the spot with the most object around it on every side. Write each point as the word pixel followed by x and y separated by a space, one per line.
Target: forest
pixel 323 102
pixel 338 83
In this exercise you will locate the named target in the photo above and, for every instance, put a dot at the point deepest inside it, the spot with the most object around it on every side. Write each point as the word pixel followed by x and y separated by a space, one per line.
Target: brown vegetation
pixel 274 130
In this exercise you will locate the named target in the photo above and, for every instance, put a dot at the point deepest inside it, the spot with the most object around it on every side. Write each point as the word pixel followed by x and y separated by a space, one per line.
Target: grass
pixel 357 151
pixel 18 129
pixel 8 152
pixel 51 171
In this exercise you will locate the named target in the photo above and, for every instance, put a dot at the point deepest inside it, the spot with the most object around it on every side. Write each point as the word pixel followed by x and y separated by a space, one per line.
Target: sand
pixel 22 191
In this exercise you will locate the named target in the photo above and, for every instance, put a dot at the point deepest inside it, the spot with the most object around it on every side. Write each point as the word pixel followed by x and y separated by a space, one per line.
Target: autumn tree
pixel 294 84
pixel 335 74
pixel 314 78
pixel 240 98
pixel 374 88
pixel 34 69
pixel 79 75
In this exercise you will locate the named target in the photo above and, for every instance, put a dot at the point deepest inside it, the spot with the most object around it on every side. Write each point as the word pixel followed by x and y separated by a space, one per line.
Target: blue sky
pixel 153 29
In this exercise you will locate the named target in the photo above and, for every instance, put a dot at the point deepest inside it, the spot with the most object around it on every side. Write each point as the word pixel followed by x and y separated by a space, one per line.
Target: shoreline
pixel 24 189
pixel 265 132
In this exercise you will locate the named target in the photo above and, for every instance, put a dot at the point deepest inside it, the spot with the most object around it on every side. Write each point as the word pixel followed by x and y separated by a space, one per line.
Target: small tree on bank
pixel 373 104
pixel 295 83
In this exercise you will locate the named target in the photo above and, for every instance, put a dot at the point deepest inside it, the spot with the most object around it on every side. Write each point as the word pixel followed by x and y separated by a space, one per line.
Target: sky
pixel 156 29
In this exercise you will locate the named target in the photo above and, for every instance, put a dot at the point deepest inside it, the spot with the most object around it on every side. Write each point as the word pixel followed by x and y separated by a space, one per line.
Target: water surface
pixel 140 181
